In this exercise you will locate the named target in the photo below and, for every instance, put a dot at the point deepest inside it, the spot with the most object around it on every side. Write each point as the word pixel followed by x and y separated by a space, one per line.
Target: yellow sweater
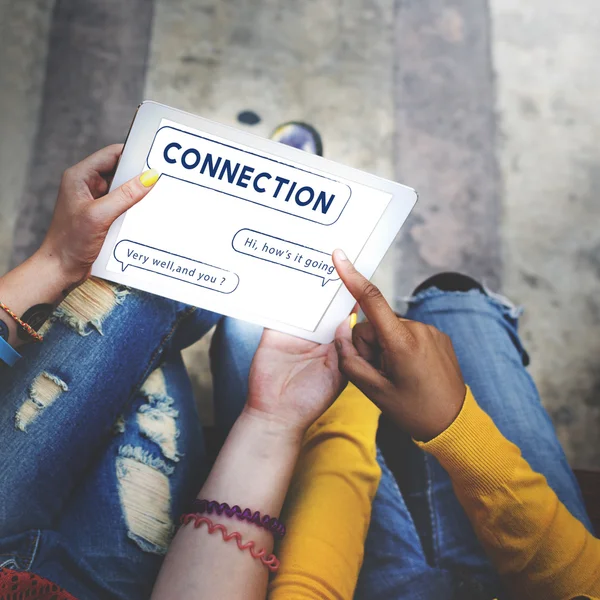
pixel 537 546
pixel 335 479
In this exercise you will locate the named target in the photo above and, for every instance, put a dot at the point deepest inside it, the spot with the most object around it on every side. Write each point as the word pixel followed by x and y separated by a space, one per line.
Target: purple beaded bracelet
pixel 269 523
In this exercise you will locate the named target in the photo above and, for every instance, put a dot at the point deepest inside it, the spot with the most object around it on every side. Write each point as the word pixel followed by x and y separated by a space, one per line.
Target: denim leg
pixel 483 330
pixel 233 347
pixel 59 403
pixel 112 534
pixel 395 565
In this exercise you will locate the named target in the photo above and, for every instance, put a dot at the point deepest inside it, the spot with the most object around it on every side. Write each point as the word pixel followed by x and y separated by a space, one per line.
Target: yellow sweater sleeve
pixel 538 547
pixel 328 507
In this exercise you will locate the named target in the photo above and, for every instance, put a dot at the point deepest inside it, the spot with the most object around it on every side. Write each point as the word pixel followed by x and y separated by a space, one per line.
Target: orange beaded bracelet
pixel 32 332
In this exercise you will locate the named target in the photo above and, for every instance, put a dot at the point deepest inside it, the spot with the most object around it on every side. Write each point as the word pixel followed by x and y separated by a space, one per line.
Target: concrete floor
pixel 547 98
pixel 487 107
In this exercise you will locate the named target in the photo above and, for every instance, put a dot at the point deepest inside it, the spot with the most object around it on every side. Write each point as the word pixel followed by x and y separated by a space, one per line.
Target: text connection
pixel 248 175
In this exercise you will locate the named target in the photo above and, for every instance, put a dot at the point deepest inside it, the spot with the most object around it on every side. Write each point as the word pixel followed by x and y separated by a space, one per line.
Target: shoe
pixel 299 135
pixel 450 282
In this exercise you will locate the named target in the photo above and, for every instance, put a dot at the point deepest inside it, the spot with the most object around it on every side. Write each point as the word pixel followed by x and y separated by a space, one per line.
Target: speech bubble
pixel 248 175
pixel 147 258
pixel 285 253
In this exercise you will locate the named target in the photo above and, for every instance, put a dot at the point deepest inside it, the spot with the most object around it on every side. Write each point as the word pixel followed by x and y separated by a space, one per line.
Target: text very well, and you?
pixel 194 272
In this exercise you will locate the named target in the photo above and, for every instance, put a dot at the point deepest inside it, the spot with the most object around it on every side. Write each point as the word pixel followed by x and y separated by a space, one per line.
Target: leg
pixel 61 400
pixel 395 565
pixel 232 351
pixel 114 531
pixel 484 334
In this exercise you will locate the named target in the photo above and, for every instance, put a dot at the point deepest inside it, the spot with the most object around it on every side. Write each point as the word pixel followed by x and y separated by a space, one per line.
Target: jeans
pixel 101 443
pixel 421 544
pixel 103 450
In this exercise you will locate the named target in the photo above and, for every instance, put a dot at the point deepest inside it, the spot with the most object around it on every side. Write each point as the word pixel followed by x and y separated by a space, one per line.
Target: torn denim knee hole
pixel 156 419
pixel 145 497
pixel 514 311
pixel 44 391
pixel 89 304
pixel 119 425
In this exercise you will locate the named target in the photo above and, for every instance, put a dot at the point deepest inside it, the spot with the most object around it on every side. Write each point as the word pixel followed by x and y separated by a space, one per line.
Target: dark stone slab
pixel 445 140
pixel 95 78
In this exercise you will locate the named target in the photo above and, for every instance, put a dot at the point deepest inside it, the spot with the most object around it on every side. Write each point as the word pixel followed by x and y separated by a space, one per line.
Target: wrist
pixel 271 428
pixel 441 416
pixel 30 291
pixel 255 464
pixel 51 264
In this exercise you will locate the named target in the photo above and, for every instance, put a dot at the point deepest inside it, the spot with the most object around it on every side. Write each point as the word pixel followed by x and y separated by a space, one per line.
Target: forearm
pixel 537 546
pixel 334 484
pixel 38 282
pixel 252 470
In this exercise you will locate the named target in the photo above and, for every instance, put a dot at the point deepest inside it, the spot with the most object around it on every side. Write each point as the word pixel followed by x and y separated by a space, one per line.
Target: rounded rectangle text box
pixel 248 175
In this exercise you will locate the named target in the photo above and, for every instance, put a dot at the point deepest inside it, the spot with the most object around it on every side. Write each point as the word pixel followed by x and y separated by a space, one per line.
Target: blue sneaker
pixel 299 135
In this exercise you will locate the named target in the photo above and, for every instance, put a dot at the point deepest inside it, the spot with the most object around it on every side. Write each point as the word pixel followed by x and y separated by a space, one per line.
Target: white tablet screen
pixel 235 229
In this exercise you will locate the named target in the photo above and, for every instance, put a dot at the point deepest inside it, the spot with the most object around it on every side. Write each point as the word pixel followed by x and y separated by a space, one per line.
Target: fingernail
pixel 352 320
pixel 341 254
pixel 149 177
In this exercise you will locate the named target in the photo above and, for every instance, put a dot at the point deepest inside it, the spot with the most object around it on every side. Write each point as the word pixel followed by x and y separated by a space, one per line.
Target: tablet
pixel 244 226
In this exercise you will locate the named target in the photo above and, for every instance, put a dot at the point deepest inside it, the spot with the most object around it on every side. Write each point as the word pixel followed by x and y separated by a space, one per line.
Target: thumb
pixel 121 199
pixel 351 364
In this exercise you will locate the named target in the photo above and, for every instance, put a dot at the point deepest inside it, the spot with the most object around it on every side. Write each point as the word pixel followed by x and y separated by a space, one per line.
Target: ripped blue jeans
pixel 421 545
pixel 100 441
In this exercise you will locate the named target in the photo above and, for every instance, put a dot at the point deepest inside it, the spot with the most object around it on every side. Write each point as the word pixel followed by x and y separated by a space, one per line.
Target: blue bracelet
pixel 7 353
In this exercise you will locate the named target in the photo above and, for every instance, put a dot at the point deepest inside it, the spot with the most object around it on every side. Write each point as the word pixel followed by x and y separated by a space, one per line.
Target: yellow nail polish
pixel 149 177
pixel 352 320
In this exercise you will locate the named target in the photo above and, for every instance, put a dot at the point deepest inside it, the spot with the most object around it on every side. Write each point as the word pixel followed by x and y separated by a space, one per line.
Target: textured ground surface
pixel 488 107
